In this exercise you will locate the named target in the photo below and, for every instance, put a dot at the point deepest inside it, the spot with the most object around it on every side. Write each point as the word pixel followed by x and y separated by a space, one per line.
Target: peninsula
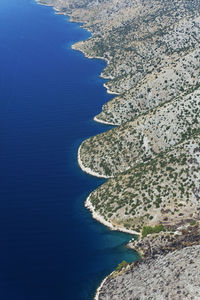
pixel 151 157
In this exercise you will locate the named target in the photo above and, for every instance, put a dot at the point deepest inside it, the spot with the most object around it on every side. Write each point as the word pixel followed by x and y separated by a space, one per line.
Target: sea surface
pixel 50 247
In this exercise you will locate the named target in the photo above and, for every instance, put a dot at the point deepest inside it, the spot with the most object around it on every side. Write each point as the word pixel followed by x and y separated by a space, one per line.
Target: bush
pixel 193 222
pixel 122 265
pixel 149 230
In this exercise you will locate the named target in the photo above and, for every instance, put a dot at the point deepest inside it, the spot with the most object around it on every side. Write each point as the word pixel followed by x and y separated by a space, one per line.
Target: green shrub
pixel 122 265
pixel 193 222
pixel 149 229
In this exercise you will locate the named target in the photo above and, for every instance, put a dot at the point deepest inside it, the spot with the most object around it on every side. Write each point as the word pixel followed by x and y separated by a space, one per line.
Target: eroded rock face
pixel 174 276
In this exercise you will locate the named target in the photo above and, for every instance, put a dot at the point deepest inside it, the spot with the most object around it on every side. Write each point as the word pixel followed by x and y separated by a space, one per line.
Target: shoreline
pixel 88 170
pixel 108 224
pixel 73 47
pixel 100 287
pixel 88 204
pixel 97 57
pixel 85 54
pixel 103 122
pixel 109 91
pixel 100 290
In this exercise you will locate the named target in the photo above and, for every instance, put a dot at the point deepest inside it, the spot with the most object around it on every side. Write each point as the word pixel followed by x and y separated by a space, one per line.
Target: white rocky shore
pixel 101 219
pixel 175 276
pixel 103 122
pixel 87 169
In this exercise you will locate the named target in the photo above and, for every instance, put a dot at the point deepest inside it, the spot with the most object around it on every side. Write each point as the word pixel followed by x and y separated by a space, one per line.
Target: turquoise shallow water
pixel 51 248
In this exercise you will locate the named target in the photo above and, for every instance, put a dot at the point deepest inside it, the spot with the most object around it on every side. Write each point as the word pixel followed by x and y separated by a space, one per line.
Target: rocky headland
pixel 151 157
pixel 175 276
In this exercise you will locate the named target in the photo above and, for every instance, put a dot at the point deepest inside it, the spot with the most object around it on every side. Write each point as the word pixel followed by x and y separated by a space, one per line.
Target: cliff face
pixel 174 276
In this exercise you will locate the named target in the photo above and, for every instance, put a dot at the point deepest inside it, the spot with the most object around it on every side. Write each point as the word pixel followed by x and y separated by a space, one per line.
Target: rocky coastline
pixel 163 253
pixel 151 159
pixel 173 276
pixel 102 220
pixel 87 169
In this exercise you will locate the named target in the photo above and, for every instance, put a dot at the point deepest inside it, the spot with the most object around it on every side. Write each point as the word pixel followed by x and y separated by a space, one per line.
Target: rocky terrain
pixel 169 268
pixel 164 190
pixel 151 157
pixel 173 276
pixel 121 148
pixel 144 43
pixel 152 245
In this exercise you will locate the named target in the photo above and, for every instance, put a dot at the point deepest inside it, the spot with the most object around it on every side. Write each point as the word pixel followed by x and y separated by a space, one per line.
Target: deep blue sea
pixel 50 247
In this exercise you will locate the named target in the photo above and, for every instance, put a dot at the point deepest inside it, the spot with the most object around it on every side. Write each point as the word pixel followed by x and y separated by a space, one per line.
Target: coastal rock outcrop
pixel 174 276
